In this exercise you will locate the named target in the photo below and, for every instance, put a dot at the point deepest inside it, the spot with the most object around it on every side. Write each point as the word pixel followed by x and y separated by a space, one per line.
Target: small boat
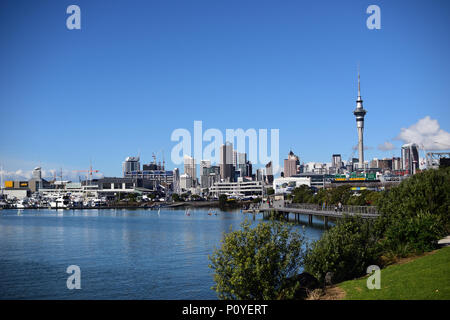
pixel 159 211
pixel 188 212
pixel 62 202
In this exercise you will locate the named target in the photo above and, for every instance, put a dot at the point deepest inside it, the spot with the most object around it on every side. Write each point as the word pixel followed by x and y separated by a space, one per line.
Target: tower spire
pixel 359 86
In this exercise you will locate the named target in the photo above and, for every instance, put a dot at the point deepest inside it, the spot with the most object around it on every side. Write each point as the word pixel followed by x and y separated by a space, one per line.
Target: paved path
pixel 444 242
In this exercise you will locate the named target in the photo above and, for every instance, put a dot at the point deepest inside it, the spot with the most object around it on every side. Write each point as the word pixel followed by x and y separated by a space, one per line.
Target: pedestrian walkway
pixel 444 242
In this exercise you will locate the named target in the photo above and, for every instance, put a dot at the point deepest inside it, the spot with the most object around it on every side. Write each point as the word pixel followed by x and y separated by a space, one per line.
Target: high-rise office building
pixel 336 161
pixel 37 173
pixel 204 172
pixel 131 164
pixel 291 164
pixel 260 174
pixel 248 169
pixel 396 163
pixel 242 163
pixel 176 180
pixel 410 158
pixel 190 167
pixel 226 162
pixel 269 173
pixel 204 164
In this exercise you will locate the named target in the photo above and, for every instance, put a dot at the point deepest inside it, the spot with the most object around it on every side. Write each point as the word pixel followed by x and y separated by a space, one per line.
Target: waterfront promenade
pixel 284 209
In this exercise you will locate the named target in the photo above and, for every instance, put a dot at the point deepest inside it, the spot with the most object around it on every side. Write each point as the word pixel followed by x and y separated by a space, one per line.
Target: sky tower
pixel 359 114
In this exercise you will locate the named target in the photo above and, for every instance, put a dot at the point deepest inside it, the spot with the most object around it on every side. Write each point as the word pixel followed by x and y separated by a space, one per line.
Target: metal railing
pixel 366 210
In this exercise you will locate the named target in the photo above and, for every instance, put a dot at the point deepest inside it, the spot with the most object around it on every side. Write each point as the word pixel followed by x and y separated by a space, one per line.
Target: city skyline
pixel 100 101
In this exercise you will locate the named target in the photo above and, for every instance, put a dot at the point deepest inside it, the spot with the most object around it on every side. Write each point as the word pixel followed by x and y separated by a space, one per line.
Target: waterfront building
pixel 36 182
pixel 154 178
pixel 317 179
pixel 285 185
pixel 240 188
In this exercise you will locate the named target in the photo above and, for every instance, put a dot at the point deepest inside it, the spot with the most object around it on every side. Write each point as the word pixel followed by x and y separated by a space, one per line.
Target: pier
pixel 283 209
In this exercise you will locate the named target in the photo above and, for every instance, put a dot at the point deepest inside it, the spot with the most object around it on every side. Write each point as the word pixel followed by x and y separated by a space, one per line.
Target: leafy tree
pixel 176 197
pixel 259 262
pixel 340 194
pixel 270 191
pixel 344 250
pixel 302 194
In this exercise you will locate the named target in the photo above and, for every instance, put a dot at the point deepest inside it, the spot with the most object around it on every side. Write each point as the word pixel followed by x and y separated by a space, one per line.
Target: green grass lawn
pixel 427 278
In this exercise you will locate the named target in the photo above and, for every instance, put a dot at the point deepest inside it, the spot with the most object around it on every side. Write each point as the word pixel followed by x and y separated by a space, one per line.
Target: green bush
pixel 428 191
pixel 346 250
pixel 415 214
pixel 257 262
pixel 416 234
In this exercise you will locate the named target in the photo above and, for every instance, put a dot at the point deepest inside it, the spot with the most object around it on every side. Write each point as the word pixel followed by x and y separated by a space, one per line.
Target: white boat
pixel 21 204
pixel 60 203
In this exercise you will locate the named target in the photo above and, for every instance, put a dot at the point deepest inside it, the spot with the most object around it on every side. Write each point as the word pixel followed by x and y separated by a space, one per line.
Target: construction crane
pixel 89 173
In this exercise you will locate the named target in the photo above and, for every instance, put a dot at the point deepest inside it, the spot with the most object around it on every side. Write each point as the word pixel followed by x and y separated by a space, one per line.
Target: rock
pixel 329 278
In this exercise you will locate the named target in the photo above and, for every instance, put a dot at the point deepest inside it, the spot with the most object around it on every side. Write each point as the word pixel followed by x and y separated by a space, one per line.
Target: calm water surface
pixel 122 254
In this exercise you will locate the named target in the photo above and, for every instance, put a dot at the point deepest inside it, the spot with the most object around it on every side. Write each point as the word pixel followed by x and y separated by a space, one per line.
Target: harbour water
pixel 122 254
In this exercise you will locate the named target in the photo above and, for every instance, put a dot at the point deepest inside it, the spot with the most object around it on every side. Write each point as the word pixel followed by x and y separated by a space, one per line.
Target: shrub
pixel 417 234
pixel 258 263
pixel 428 191
pixel 415 214
pixel 345 250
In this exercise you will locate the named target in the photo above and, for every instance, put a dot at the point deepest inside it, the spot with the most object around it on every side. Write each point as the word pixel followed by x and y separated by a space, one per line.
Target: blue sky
pixel 137 70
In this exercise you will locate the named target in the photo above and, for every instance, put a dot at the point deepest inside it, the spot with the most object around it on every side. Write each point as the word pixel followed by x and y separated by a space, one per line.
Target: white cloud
pixel 387 146
pixel 427 134
pixel 48 174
